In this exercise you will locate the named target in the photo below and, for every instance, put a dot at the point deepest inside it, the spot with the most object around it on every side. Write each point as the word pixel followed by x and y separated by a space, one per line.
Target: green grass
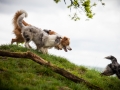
pixel 25 74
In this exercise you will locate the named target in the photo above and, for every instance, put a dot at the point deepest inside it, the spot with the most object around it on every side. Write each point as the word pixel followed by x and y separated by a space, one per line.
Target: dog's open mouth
pixel 66 49
pixel 70 49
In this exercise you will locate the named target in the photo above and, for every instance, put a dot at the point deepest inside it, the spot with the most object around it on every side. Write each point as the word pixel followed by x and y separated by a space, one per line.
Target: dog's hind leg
pixel 14 40
pixel 43 50
pixel 46 50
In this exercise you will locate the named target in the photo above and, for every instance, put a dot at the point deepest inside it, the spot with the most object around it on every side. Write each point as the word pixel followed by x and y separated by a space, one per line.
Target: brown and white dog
pixel 65 41
pixel 17 29
pixel 42 40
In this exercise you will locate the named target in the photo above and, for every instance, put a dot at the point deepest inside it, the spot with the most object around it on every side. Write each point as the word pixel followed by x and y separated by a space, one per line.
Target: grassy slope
pixel 25 74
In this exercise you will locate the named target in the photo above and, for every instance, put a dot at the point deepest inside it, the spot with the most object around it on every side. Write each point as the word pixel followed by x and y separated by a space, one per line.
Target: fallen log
pixel 41 61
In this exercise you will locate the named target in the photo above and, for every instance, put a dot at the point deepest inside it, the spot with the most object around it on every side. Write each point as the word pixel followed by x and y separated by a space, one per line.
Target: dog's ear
pixel 58 39
pixel 65 38
pixel 47 31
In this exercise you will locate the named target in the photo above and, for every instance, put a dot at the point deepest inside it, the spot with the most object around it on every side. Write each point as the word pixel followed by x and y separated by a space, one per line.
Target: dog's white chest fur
pixel 50 42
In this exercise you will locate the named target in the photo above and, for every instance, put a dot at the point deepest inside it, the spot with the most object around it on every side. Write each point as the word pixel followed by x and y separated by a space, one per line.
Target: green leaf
pixel 56 1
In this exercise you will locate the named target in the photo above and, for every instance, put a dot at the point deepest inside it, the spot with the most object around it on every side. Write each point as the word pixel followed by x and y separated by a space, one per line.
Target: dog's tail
pixel 20 17
pixel 17 14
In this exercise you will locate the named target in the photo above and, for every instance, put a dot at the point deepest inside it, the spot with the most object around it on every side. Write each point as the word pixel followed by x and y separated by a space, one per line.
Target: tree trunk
pixel 38 59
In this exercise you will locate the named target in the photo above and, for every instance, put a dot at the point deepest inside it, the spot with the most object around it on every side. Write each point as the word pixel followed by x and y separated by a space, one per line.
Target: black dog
pixel 112 68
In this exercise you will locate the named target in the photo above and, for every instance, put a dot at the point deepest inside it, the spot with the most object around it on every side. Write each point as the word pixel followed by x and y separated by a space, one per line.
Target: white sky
pixel 90 40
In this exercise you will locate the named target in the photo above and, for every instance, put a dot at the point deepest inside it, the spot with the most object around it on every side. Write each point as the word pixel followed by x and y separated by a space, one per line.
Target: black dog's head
pixel 112 58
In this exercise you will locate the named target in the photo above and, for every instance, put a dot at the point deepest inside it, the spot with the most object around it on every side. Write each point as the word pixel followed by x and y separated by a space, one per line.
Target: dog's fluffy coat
pixel 41 39
pixel 64 43
pixel 17 29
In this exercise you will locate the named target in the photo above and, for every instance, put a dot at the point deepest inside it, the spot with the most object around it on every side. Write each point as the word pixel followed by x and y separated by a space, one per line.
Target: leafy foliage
pixel 57 1
pixel 81 5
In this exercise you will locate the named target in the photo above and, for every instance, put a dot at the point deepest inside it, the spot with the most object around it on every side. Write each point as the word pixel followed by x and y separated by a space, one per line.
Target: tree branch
pixel 38 59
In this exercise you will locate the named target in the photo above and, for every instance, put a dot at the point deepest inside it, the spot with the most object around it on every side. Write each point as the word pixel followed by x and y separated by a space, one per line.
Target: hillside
pixel 25 74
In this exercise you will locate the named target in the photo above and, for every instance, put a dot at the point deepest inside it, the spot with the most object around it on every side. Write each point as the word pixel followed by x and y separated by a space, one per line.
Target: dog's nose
pixel 70 49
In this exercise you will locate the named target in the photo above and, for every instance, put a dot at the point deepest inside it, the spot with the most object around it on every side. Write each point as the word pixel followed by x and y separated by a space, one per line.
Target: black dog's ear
pixel 58 39
pixel 47 31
